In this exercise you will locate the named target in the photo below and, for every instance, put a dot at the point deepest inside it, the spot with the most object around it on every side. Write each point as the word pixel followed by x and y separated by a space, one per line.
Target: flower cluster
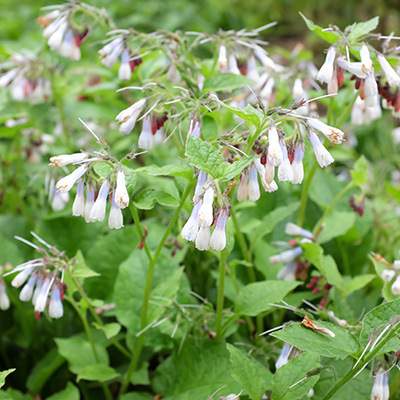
pixel 367 83
pixel 116 47
pixel 153 123
pixel 203 215
pixel 26 79
pixel 61 32
pixel 45 276
pixel 97 190
pixel 292 268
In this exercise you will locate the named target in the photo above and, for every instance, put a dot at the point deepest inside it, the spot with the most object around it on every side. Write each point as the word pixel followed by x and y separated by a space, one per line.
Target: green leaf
pixel 196 372
pixel 106 253
pixel 360 170
pixel 102 169
pixel 70 392
pixel 246 372
pixel 147 199
pixel 137 396
pixel 179 169
pixel 9 252
pixel 380 317
pixel 362 28
pixel 79 353
pixel 249 114
pixel 141 376
pixel 110 330
pixel 130 284
pixel 43 370
pixel 325 264
pixel 268 223
pixel 326 35
pixel 3 375
pixel 291 373
pixel 226 81
pixel 98 372
pixel 359 282
pixel 255 297
pixel 306 339
pixel 336 224
pixel 80 269
pixel 229 171
pixel 203 155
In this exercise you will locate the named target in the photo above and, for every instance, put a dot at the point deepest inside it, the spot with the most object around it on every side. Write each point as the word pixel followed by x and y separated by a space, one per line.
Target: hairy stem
pixel 147 290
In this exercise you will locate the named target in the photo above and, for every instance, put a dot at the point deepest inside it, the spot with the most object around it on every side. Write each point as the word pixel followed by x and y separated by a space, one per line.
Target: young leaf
pixel 80 269
pixel 256 297
pixel 110 330
pixel 306 339
pixel 229 171
pixel 3 375
pixel 359 172
pixel 203 155
pixel 249 114
pixel 362 28
pixel 226 81
pixel 246 372
pixel 291 373
pixel 330 37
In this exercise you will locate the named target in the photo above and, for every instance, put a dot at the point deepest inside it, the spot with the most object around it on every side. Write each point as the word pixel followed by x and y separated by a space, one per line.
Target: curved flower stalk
pixel 27 79
pixel 96 188
pixel 42 278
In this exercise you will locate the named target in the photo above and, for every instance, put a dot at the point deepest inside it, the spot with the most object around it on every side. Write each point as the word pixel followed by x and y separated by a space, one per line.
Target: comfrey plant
pixel 228 145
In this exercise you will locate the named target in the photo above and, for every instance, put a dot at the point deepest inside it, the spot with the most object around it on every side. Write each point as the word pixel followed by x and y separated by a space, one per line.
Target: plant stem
pixel 221 287
pixel 354 371
pixel 147 290
pixel 82 316
pixel 136 220
pixel 329 209
pixel 97 318
pixel 304 193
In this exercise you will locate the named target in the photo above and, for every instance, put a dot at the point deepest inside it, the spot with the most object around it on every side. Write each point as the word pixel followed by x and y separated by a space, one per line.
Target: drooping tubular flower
pixel 45 278
pixel 326 71
pixel 380 389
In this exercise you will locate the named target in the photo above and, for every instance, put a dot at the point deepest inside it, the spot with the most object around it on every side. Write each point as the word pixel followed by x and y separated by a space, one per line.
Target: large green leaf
pixel 179 169
pixel 336 224
pixel 79 353
pixel 291 373
pixel 196 372
pixel 246 371
pixel 306 339
pixel 256 297
pixel 130 284
pixel 203 155
pixel 380 317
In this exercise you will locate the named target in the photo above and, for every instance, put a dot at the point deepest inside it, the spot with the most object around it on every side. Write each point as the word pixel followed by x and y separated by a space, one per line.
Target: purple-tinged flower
pixel 286 256
pixel 288 272
pixel 146 136
pixel 254 188
pixel 129 116
pixel 297 164
pixel 284 356
pixel 380 389
pixel 27 291
pixel 388 274
pixel 56 309
pixel 89 202
pixel 396 286
pixel 125 71
pixel 201 181
pixel 205 217
pixel 115 219
pixel 98 211
pixel 78 208
pixel 218 237
pixel 295 230
pixel 190 229
pixel 243 191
